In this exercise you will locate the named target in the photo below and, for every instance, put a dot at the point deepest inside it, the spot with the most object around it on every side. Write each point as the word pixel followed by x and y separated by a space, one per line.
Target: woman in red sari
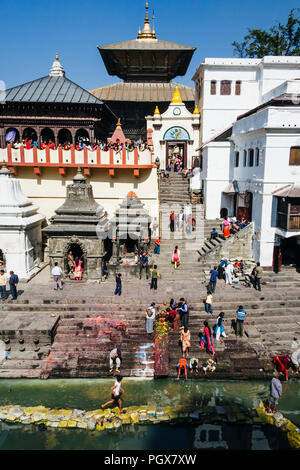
pixel 206 339
pixel 226 228
pixel 78 269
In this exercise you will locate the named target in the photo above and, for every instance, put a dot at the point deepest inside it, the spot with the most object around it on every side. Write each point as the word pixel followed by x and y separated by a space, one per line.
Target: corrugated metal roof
pixel 140 44
pixel 144 92
pixel 51 90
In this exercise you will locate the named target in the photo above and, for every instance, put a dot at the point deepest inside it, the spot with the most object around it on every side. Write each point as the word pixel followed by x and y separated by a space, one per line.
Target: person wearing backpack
pixel 13 281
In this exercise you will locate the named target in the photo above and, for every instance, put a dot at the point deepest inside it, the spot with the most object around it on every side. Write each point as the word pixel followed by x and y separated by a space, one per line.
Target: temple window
pixel 245 158
pixel 294 156
pixel 238 87
pixel 251 157
pixel 257 156
pixel 225 87
pixel 213 87
pixel 237 158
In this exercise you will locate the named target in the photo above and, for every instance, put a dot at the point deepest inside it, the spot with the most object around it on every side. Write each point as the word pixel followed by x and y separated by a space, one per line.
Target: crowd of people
pixel 183 218
pixel 80 145
pixel 229 226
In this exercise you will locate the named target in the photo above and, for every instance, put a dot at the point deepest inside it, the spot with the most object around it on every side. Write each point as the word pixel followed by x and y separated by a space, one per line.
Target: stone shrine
pixel 130 228
pixel 79 227
pixel 20 228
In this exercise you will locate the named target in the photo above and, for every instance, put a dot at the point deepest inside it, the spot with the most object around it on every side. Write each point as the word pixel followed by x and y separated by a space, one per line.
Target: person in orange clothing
pixel 182 364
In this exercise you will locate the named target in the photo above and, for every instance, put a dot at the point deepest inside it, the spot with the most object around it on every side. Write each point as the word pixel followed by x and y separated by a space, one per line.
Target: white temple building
pixel 20 228
pixel 250 167
pixel 175 130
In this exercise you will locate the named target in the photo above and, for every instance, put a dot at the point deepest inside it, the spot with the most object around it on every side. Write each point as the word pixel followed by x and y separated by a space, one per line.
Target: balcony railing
pixel 289 224
pixel 39 158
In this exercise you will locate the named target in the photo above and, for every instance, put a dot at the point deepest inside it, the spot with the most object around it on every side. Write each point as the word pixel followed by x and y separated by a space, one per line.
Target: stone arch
pixel 12 135
pixel 64 136
pixel 47 134
pixel 29 133
pixel 69 246
pixel 81 134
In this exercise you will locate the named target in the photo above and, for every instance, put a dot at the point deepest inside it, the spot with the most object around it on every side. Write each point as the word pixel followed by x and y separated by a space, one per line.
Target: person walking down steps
pixel 118 290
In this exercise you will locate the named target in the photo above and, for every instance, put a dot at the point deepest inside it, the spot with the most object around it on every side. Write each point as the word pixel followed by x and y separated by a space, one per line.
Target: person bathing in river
pixel 116 392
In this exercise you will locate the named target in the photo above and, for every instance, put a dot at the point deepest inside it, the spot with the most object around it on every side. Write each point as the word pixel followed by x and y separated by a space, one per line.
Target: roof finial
pixel 153 31
pixel 176 96
pixel 146 33
pixel 119 124
pixel 57 69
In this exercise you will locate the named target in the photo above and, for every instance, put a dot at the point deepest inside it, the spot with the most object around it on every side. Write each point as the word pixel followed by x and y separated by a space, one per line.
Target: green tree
pixel 279 40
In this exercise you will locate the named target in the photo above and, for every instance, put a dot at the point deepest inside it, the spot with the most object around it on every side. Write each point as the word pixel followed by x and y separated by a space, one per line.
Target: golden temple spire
pixel 146 33
pixel 119 126
pixel 176 96
pixel 196 110
pixel 156 110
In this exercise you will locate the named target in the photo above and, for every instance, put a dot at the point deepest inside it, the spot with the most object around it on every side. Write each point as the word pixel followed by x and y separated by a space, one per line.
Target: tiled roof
pixel 50 90
pixel 144 92
pixel 139 44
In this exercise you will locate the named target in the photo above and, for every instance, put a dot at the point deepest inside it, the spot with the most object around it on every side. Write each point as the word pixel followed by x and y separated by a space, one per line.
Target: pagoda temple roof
pixel 144 92
pixel 51 89
pixel 140 44
pixel 146 58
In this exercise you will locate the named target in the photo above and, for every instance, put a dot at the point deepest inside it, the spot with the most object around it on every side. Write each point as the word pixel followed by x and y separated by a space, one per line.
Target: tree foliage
pixel 279 40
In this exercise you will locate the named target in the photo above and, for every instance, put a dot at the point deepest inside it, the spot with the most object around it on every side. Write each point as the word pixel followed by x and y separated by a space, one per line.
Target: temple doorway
pixel 64 137
pixel 290 249
pixel 29 134
pixel 128 245
pixel 82 135
pixel 173 150
pixel 12 135
pixel 47 135
pixel 74 254
pixel 244 206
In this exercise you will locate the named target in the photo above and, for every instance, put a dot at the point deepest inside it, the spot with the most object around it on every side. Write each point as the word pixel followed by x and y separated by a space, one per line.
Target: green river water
pixel 88 394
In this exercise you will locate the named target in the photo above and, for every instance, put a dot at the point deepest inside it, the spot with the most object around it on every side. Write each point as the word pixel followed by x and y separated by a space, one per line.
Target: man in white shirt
pixel 3 282
pixel 228 273
pixel 57 273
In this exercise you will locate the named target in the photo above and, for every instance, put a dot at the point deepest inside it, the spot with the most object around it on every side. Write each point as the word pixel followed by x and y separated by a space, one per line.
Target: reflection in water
pixel 146 437
pixel 210 399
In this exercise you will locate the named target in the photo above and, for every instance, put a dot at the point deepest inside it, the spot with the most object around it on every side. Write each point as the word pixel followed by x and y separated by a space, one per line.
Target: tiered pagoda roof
pixel 146 59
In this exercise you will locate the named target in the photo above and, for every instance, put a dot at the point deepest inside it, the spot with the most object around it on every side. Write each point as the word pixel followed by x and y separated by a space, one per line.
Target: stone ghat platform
pixel 113 419
pixel 29 336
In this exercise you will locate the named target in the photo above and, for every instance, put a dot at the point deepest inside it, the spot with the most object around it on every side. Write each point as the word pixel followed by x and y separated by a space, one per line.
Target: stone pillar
pixel 2 137
pixel 92 135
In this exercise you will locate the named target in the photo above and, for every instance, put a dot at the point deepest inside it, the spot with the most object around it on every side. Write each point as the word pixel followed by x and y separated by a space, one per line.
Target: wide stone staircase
pixel 82 344
pixel 92 320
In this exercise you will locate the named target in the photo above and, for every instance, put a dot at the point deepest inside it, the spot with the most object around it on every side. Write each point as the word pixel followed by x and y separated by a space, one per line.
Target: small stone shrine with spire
pixel 80 227
pixel 130 229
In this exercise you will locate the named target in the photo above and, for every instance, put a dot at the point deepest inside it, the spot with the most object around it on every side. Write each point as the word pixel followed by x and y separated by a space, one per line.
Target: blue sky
pixel 32 31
